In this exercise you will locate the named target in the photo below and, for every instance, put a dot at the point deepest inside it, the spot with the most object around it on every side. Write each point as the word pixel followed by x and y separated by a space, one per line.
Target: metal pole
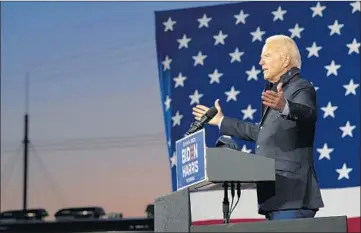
pixel 26 144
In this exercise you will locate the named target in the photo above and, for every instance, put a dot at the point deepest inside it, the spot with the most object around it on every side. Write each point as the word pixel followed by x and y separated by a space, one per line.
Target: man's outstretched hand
pixel 200 110
pixel 273 99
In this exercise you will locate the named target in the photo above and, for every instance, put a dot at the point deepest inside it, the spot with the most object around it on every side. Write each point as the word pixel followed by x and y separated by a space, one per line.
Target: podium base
pixel 173 214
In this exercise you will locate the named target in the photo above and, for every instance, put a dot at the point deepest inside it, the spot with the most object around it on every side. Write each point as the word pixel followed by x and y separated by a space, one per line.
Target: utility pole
pixel 26 143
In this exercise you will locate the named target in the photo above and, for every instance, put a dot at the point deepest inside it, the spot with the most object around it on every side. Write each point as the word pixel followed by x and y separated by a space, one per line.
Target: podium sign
pixel 190 154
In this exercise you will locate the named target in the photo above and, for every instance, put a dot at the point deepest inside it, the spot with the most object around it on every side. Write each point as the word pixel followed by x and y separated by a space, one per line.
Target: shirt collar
pixel 285 78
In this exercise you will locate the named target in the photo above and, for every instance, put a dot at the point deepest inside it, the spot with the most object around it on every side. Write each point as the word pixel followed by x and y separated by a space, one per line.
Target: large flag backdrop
pixel 213 52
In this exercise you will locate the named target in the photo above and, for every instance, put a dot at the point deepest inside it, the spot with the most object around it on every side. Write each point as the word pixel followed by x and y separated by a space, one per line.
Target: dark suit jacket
pixel 289 140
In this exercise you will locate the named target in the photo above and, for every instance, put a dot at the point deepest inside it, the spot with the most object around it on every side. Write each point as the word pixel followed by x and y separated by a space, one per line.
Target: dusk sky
pixel 96 126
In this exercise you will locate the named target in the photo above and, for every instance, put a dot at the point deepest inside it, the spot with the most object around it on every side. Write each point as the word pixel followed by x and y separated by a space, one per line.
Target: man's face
pixel 272 61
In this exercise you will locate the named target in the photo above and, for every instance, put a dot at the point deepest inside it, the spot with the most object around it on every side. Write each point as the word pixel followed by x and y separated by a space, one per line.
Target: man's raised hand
pixel 273 99
pixel 200 110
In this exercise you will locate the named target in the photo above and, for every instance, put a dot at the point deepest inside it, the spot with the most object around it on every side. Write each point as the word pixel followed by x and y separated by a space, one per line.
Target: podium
pixel 200 168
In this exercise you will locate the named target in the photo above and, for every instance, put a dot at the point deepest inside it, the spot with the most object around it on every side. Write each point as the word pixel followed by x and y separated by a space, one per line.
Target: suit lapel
pixel 265 109
pixel 284 79
pixel 264 114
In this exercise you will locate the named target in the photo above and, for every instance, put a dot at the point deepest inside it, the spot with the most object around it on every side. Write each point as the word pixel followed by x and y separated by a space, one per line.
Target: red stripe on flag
pixel 353 224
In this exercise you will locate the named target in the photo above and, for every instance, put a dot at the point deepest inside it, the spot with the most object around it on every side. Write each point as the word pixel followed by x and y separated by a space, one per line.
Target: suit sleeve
pixel 302 106
pixel 241 129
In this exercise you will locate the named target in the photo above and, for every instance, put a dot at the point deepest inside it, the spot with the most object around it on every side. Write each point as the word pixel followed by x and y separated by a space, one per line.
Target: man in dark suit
pixel 285 133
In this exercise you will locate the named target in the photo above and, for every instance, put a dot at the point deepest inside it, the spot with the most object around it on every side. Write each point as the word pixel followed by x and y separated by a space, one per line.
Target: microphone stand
pixel 225 203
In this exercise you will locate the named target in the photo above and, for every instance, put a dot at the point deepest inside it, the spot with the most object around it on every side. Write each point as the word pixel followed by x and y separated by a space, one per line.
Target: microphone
pixel 197 125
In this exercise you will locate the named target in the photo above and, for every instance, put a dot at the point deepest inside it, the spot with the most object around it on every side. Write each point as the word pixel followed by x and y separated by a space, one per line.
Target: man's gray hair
pixel 290 46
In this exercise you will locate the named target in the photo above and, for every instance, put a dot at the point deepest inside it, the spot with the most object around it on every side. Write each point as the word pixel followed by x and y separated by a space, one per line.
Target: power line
pixel 104 147
pixel 14 160
pixel 91 140
pixel 143 58
pixel 48 176
pixel 108 54
pixel 90 54
pixel 138 141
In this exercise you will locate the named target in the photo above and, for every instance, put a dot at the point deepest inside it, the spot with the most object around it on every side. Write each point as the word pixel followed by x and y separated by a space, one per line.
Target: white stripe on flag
pixel 208 205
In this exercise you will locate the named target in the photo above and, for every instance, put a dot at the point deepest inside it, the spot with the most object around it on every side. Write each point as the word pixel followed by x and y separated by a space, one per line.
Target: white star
pixel 220 38
pixel 173 160
pixel 177 119
pixel 252 74
pixel 179 81
pixel 241 17
pixel 203 22
pixel 168 25
pixel 317 10
pixel 332 68
pixel 278 14
pixel 347 129
pixel 167 103
pixel 313 50
pixel 248 112
pixel 296 31
pixel 351 88
pixel 329 110
pixel 325 152
pixel 232 94
pixel 215 76
pixel 183 42
pixel 335 28
pixel 199 59
pixel 245 150
pixel 355 6
pixel 343 172
pixel 166 63
pixel 354 46
pixel 195 97
pixel 257 35
pixel 236 55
